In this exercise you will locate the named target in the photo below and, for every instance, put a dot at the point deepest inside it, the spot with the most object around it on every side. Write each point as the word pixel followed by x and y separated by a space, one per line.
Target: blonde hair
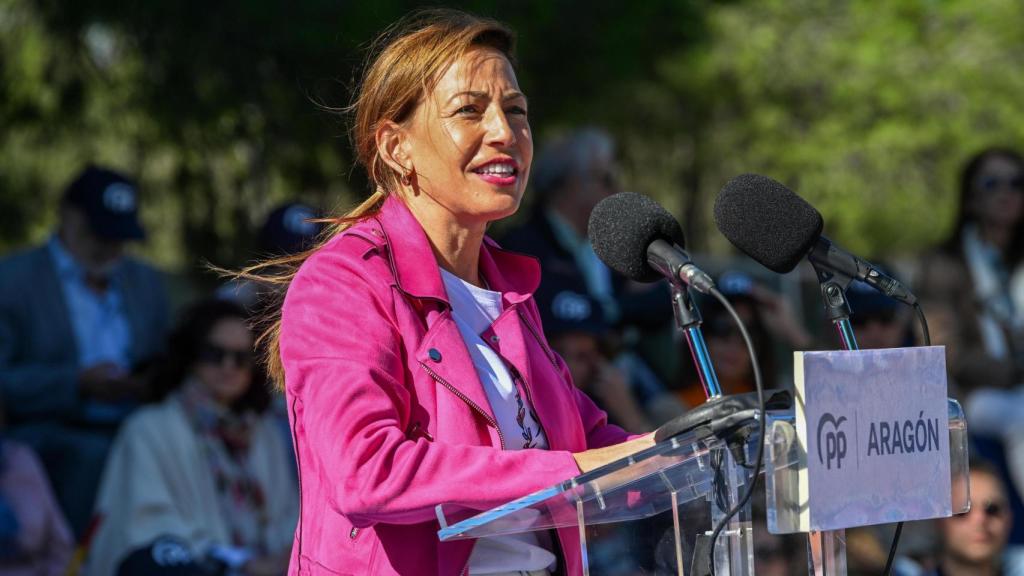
pixel 403 65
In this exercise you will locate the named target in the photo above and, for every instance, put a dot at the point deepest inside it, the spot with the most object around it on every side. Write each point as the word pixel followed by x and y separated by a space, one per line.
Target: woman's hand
pixel 591 459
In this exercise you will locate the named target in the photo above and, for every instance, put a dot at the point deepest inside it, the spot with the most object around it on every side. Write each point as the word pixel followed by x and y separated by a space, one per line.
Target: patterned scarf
pixel 225 439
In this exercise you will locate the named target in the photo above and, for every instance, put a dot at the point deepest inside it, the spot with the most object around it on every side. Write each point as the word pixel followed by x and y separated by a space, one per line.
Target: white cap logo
pixel 168 552
pixel 296 221
pixel 119 197
pixel 571 306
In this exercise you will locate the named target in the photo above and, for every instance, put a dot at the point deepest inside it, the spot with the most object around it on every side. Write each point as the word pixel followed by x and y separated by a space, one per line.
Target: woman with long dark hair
pixel 969 278
pixel 207 464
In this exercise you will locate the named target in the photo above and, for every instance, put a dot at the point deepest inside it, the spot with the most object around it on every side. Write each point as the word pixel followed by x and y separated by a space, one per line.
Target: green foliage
pixel 868 109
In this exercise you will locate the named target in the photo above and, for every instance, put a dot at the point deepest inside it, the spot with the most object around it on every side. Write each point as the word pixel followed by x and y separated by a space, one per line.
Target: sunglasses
pixel 991 183
pixel 883 316
pixel 215 355
pixel 990 509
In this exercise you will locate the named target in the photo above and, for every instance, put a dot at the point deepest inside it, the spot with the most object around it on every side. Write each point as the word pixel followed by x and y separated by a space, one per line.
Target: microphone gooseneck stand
pixel 688 320
pixel 827 549
pixel 732 420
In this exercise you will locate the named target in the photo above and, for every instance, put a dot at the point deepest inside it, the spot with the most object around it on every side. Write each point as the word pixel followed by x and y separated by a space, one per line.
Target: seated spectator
pixel 570 176
pixel 974 544
pixel 167 556
pixel 769 320
pixel 972 274
pixel 574 325
pixel 79 321
pixel 878 320
pixel 35 539
pixel 207 464
pixel 995 415
pixel 289 229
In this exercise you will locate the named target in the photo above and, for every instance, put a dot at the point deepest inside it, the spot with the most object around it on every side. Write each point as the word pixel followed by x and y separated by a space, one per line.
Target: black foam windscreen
pixel 767 221
pixel 621 228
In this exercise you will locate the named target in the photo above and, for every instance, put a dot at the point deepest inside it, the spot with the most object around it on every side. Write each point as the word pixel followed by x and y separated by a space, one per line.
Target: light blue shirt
pixel 596 275
pixel 98 321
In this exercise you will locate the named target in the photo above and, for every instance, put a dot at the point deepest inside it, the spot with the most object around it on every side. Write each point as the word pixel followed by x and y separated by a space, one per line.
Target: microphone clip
pixel 833 291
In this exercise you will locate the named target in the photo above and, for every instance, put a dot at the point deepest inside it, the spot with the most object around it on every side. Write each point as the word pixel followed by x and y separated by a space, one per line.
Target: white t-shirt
pixel 474 310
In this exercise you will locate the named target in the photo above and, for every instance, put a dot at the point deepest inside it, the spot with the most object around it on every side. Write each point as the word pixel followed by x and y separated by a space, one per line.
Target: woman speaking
pixel 414 362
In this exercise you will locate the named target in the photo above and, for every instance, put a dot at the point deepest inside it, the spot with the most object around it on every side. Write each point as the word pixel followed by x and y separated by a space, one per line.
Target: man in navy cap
pixel 78 319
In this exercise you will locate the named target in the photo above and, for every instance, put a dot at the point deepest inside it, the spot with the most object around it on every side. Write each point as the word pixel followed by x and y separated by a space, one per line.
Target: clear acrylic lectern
pixel 648 513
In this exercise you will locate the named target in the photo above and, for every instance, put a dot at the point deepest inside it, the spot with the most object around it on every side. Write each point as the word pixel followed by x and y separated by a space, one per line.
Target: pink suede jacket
pixel 388 415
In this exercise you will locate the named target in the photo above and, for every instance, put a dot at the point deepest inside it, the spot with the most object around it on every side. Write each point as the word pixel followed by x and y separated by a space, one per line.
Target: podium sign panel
pixel 874 427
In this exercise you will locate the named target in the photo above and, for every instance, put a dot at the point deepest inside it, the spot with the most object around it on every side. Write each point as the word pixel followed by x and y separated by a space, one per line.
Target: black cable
pixel 759 460
pixel 899 526
pixel 892 549
pixel 924 325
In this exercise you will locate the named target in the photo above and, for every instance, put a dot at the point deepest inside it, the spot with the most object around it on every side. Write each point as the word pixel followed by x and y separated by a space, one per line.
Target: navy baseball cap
pixel 736 284
pixel 165 556
pixel 109 201
pixel 288 229
pixel 867 301
pixel 570 311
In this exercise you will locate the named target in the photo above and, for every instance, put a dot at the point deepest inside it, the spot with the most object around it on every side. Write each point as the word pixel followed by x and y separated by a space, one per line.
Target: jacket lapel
pixel 47 288
pixel 443 354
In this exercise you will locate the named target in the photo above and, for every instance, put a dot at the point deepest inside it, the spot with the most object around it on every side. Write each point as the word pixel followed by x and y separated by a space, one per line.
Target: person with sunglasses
pixel 975 543
pixel 206 465
pixel 971 277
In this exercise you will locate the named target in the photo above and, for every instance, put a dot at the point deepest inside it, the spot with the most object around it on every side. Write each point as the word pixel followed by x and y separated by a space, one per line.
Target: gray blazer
pixel 38 351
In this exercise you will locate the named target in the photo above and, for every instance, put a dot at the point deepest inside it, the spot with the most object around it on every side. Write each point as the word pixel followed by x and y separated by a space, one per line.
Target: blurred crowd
pixel 133 441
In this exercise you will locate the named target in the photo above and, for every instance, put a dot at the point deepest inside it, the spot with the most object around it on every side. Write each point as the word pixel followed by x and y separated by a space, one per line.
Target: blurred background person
pixel 777 554
pixel 206 464
pixel 974 544
pixel 974 284
pixel 79 321
pixel 878 320
pixel 575 327
pixel 769 319
pixel 570 176
pixel 35 539
pixel 971 273
pixel 288 229
pixel 166 556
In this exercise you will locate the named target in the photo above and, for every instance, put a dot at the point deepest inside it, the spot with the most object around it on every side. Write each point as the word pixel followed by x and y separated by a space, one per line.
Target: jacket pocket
pixel 311 567
pixel 417 431
pixel 341 547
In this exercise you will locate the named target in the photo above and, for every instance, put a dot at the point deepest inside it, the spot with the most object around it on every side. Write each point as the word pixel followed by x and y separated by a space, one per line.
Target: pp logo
pixel 833 441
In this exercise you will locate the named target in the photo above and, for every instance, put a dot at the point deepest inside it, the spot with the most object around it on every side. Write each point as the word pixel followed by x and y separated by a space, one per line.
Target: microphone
pixel 777 228
pixel 639 239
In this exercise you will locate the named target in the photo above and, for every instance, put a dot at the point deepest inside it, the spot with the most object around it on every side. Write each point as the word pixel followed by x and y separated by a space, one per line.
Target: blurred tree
pixel 867 109
pixel 223 109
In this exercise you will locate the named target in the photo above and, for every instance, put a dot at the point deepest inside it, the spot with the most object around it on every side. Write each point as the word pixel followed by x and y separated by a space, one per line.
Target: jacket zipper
pixel 540 342
pixel 419 428
pixel 464 398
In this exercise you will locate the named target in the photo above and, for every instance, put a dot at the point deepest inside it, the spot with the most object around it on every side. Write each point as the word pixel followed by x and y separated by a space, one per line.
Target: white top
pixel 474 310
